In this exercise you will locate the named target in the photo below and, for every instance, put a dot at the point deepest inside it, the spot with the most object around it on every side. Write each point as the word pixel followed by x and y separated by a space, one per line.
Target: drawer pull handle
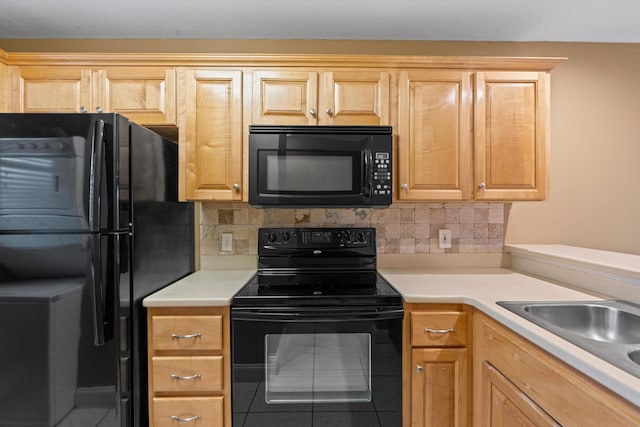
pixel 186 337
pixel 185 420
pixel 438 331
pixel 188 378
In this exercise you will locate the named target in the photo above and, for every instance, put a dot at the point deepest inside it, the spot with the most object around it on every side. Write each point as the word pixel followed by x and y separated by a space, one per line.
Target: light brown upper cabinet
pixel 4 83
pixel 320 97
pixel 211 144
pixel 146 95
pixel 511 135
pixel 434 135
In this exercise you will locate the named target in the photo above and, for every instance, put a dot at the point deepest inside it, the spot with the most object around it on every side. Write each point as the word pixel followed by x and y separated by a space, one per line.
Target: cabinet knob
pixel 418 368
pixel 313 112
pixel 98 109
pixel 83 109
pixel 405 187
pixel 329 111
pixel 482 186
pixel 236 187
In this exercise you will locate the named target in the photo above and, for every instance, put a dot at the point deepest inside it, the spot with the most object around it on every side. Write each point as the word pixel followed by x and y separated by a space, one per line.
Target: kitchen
pixel 595 85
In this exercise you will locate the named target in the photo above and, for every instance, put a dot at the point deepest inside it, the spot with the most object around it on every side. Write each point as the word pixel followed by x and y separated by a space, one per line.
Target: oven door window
pixel 328 367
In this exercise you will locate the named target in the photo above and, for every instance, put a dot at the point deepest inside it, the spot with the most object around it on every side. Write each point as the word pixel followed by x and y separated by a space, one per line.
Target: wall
pixel 404 228
pixel 595 126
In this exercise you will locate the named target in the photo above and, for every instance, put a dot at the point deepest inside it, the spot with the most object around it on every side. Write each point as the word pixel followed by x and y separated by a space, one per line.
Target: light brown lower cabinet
pixel 436 366
pixel 439 387
pixel 504 405
pixel 516 383
pixel 189 366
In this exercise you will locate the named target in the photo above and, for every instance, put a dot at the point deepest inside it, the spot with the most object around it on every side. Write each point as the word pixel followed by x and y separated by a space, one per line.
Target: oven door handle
pixel 317 315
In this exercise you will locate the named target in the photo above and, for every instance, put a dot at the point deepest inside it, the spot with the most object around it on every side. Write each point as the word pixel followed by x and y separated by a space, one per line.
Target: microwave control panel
pixel 381 174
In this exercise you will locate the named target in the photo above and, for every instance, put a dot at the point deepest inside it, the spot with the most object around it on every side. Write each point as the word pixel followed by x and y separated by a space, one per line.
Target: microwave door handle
pixel 368 159
pixel 95 180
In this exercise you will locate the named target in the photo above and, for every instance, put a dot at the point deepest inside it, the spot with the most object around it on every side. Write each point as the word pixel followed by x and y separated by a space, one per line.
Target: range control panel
pixel 309 238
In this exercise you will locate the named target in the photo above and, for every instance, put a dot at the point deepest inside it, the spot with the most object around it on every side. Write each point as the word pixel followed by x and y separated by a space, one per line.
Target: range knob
pixel 272 237
pixel 286 236
pixel 346 235
pixel 360 237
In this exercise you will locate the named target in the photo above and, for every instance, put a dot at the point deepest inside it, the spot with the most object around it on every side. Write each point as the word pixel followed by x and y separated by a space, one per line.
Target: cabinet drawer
pixel 209 409
pixel 187 374
pixel 438 329
pixel 187 332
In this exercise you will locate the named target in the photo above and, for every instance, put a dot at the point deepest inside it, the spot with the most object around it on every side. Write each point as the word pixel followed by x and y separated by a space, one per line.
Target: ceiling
pixel 482 20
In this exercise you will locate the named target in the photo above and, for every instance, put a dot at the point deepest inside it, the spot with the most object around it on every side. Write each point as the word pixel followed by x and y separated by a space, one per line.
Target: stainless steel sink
pixel 607 329
pixel 593 321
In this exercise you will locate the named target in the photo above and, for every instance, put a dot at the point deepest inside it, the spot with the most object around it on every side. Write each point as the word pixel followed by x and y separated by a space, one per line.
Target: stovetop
pixel 317 267
pixel 318 293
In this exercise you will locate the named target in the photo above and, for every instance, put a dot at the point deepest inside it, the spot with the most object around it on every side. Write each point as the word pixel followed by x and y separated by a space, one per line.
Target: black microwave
pixel 320 166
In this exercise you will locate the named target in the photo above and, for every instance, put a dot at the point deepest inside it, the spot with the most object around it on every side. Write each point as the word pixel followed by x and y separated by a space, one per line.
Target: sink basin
pixel 607 329
pixel 596 322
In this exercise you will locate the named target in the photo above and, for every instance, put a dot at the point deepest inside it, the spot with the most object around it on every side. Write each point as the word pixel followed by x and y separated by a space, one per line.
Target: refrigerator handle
pixel 97 289
pixel 105 280
pixel 95 184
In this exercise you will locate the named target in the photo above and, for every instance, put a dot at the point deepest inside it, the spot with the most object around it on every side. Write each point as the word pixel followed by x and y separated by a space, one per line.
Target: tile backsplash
pixel 403 228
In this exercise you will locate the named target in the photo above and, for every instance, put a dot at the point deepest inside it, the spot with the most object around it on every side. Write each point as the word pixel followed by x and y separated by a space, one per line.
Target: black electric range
pixel 315 267
pixel 316 334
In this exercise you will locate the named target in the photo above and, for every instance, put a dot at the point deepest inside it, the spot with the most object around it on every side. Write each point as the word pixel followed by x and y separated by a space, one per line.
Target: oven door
pixel 325 367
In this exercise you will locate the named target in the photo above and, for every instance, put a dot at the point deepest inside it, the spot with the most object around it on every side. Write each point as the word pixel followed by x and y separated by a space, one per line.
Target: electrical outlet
pixel 226 242
pixel 444 238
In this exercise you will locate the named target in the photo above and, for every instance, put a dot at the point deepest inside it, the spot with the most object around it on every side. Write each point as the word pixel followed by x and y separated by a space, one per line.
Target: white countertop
pixel 481 288
pixel 478 287
pixel 202 288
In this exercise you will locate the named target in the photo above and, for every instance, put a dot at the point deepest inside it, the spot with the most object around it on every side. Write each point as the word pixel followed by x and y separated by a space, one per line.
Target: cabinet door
pixel 439 387
pixel 355 98
pixel 285 97
pixel 504 405
pixel 4 87
pixel 511 135
pixel 434 135
pixel 50 89
pixel 145 95
pixel 211 144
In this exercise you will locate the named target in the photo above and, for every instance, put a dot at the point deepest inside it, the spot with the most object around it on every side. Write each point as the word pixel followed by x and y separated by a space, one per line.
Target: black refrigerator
pixel 90 224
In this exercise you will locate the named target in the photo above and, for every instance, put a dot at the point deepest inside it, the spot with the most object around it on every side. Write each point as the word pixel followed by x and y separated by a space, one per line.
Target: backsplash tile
pixel 403 228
